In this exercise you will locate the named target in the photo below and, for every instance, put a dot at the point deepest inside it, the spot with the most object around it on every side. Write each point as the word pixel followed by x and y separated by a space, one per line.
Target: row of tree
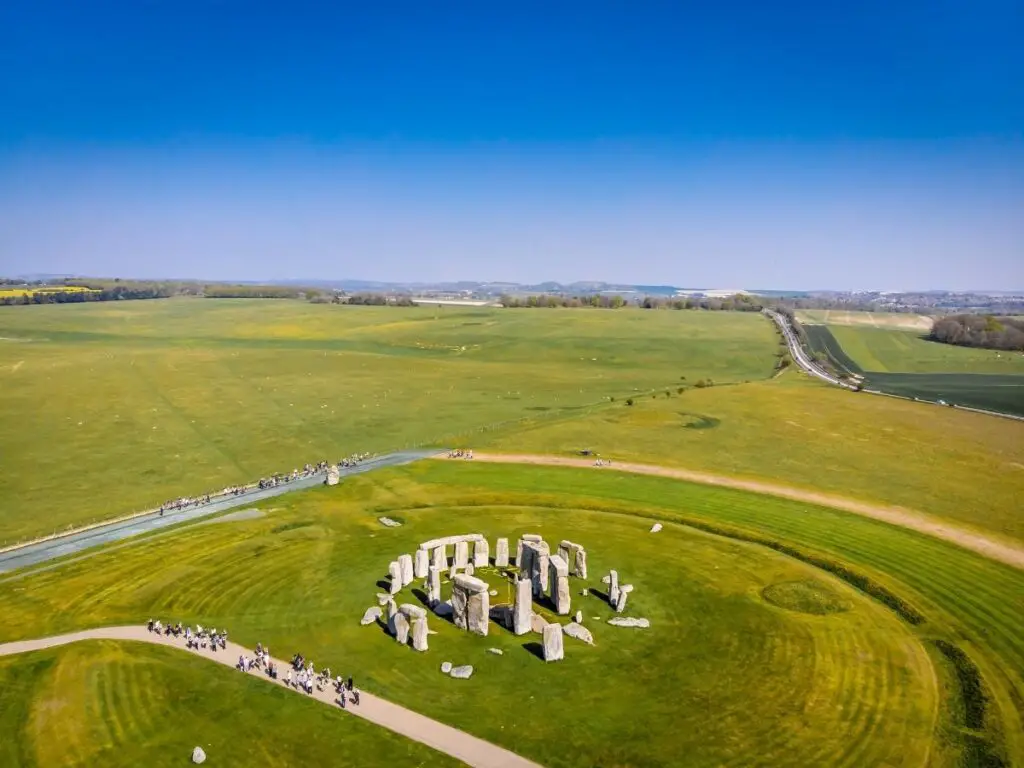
pixel 117 293
pixel 738 303
pixel 987 331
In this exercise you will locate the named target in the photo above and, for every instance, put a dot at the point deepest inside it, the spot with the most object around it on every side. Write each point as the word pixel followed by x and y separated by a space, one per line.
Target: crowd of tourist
pixel 305 677
pixel 273 481
pixel 460 453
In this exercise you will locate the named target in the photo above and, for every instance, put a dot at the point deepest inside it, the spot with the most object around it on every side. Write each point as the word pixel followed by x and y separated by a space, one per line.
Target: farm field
pixel 733 657
pixel 964 467
pixel 9 291
pixel 125 405
pixel 894 320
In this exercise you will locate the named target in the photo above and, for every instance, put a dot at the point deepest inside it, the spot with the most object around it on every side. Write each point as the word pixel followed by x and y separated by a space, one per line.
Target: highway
pixel 797 351
pixel 74 542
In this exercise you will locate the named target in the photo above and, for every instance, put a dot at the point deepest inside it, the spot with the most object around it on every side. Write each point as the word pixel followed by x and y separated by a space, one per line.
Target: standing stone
pixel 580 566
pixel 419 634
pixel 395 571
pixel 461 554
pixel 539 558
pixel 478 612
pixel 460 602
pixel 470 569
pixel 401 628
pixel 481 553
pixel 613 587
pixel 620 603
pixel 564 551
pixel 433 586
pixel 405 565
pixel 525 559
pixel 554 649
pixel 523 607
pixel 558 578
pixel 392 612
pixel 440 558
pixel 501 553
pixel 579 617
pixel 421 564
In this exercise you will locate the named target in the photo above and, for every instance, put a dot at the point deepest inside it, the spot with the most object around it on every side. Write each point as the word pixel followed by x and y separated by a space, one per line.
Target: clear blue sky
pixel 728 144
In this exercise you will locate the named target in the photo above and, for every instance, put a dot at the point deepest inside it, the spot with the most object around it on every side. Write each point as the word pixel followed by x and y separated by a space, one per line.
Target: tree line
pixel 738 303
pixel 986 331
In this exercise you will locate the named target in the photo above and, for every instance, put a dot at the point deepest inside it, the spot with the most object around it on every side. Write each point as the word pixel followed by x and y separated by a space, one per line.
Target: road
pixel 797 351
pixel 117 530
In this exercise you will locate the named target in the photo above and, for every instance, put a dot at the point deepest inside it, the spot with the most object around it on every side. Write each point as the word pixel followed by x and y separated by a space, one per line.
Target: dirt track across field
pixel 904 518
pixel 450 741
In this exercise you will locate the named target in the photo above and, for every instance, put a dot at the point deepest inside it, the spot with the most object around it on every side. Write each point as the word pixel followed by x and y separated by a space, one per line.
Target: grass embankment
pixel 755 658
pixel 110 408
pixel 961 466
pixel 128 704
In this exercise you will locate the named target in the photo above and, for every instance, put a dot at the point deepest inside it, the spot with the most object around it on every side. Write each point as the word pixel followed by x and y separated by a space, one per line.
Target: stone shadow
pixel 537 649
pixel 384 585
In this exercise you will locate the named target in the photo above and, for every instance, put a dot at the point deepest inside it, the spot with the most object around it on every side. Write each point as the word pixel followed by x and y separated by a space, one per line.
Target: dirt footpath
pixel 904 518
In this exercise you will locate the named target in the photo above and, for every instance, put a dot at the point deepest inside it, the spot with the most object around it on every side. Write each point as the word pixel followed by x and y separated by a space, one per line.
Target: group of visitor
pixel 305 678
pixel 460 453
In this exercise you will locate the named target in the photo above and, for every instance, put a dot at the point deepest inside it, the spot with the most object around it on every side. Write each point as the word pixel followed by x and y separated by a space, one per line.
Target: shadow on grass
pixel 535 648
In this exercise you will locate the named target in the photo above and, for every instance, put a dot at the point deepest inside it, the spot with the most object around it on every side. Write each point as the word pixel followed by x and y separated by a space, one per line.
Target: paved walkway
pixel 994 549
pixel 469 749
pixel 116 530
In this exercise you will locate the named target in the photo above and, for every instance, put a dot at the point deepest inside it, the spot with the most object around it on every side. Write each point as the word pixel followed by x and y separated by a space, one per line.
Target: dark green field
pixel 1002 392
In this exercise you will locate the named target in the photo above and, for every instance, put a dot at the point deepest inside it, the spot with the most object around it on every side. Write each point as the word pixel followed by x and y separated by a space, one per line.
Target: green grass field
pixel 755 657
pixel 110 408
pixel 105 703
pixel 889 351
pixel 964 467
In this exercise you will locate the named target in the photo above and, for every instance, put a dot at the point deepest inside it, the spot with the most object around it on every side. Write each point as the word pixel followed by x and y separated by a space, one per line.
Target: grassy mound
pixel 809 596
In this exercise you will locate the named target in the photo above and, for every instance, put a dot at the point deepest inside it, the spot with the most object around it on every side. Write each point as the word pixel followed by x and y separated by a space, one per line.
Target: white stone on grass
pixel 579 632
pixel 656 527
pixel 198 755
pixel 371 615
pixel 554 649
pixel 446 667
pixel 388 522
pixel 629 621
pixel 579 617
pixel 462 673
pixel 496 651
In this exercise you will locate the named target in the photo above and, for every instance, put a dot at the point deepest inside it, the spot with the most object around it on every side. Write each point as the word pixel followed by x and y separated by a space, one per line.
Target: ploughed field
pixel 754 656
pixel 906 363
pixel 122 406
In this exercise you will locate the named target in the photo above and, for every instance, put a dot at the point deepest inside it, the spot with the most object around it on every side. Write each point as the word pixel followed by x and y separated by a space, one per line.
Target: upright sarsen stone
pixel 523 607
pixel 613 587
pixel 554 649
pixel 620 602
pixel 481 553
pixel 460 603
pixel 539 557
pixel 580 566
pixel 395 575
pixel 419 634
pixel 501 553
pixel 461 554
pixel 558 578
pixel 405 566
pixel 433 586
pixel 440 558
pixel 478 612
pixel 470 603
pixel 401 628
pixel 421 564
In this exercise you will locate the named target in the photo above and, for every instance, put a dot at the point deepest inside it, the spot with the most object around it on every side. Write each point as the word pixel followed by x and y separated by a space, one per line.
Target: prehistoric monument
pixel 540 576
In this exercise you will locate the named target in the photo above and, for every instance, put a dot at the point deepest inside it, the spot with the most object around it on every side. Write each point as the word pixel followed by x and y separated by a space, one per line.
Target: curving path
pixel 904 518
pixel 458 744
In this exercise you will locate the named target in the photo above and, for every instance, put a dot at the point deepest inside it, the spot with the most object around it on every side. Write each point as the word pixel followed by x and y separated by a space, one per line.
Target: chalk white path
pixel 458 744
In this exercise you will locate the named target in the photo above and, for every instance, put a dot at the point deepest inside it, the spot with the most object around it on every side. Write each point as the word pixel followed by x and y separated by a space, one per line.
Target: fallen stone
pixel 496 651
pixel 585 592
pixel 656 527
pixel 579 632
pixel 629 621
pixel 537 623
pixel 371 615
pixel 493 592
pixel 579 617
pixel 446 667
pixel 554 648
pixel 198 755
pixel 462 673
pixel 388 522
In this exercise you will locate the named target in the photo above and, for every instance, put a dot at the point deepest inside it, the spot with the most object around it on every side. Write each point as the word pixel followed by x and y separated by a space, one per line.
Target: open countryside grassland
pixel 755 657
pixel 103 703
pixel 109 408
pixel 893 320
pixel 951 464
